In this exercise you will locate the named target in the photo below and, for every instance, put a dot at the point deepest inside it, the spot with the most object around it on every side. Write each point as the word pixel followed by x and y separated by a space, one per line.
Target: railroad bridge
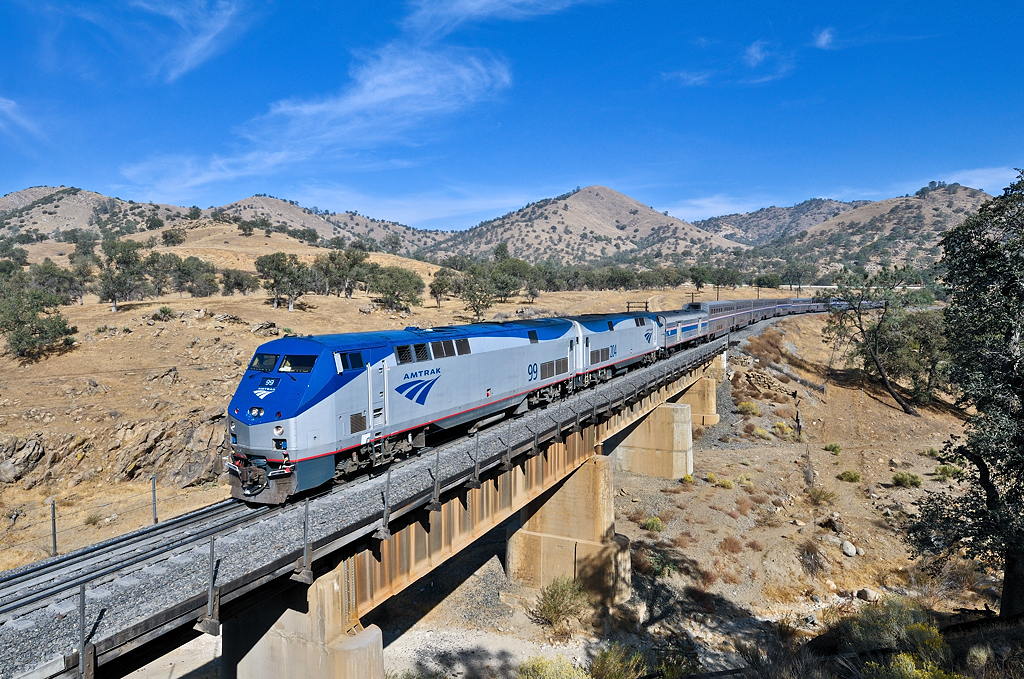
pixel 286 587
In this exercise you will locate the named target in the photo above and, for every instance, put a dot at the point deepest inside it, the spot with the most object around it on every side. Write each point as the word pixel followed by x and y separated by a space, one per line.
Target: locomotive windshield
pixel 263 362
pixel 297 364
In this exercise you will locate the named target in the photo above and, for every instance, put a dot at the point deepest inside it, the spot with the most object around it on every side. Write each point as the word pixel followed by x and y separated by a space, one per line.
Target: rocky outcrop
pixel 182 452
pixel 19 457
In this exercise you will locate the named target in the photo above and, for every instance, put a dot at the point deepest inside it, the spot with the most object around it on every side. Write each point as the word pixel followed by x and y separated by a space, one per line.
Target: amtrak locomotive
pixel 310 409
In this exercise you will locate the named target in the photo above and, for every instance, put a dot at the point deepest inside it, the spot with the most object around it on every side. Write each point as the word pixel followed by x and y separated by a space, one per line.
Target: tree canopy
pixel 984 263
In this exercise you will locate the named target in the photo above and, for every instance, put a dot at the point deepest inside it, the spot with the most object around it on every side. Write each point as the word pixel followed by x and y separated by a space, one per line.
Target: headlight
pixel 278 430
pixel 231 426
pixel 256 412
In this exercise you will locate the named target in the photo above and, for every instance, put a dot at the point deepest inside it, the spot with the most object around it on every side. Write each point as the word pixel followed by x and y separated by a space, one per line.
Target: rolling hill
pixel 896 231
pixel 587 225
pixel 769 223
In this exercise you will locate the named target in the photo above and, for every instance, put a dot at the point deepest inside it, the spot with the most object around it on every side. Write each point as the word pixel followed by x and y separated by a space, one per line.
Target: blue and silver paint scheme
pixel 309 408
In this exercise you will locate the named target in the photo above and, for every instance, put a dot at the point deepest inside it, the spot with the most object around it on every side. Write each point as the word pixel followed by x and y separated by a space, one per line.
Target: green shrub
pixel 653 523
pixel 833 448
pixel 555 668
pixel 881 625
pixel 850 476
pixel 102 329
pixel 946 471
pixel 687 479
pixel 164 313
pixel 92 519
pixel 617 662
pixel 762 434
pixel 906 480
pixel 748 408
pixel 819 496
pixel 724 483
pixel 711 478
pixel 932 452
pixel 903 666
pixel 561 600
pixel 287 331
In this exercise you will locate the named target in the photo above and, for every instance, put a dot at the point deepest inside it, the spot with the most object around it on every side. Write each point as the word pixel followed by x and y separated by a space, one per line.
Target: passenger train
pixel 311 409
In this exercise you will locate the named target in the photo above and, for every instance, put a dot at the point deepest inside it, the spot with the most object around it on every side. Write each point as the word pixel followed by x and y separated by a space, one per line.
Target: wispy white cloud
pixel 394 93
pixel 824 38
pixel 431 19
pixel 766 63
pixel 991 180
pixel 692 209
pixel 204 28
pixel 167 38
pixel 689 78
pixel 755 53
pixel 12 120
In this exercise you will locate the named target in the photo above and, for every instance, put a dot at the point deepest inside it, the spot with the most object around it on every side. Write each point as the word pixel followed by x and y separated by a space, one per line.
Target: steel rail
pixel 113 546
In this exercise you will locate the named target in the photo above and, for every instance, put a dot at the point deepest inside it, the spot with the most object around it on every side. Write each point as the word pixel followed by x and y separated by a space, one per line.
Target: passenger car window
pixel 297 364
pixel 263 362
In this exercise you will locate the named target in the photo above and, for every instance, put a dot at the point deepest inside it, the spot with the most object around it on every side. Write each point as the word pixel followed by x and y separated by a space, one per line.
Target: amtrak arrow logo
pixel 648 335
pixel 417 390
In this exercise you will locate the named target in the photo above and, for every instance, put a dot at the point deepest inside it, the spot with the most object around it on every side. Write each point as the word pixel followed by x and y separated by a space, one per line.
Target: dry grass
pixel 637 516
pixel 667 515
pixel 683 540
pixel 760 498
pixel 744 505
pixel 786 412
pixel 730 545
pixel 749 428
pixel 767 346
pixel 732 577
pixel 755 546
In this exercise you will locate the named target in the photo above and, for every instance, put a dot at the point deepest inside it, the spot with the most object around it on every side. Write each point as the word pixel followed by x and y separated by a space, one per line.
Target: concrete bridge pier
pixel 570 532
pixel 303 632
pixel 702 397
pixel 660 445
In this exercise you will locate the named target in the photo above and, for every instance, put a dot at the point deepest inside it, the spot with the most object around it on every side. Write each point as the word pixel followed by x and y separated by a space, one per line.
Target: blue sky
pixel 440 114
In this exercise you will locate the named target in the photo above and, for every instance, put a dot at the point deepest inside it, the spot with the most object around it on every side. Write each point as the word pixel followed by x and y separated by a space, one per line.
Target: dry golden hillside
pixel 588 225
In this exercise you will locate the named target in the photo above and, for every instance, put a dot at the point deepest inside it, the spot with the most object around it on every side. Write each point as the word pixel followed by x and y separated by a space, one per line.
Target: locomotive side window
pixel 263 362
pixel 533 336
pixel 404 354
pixel 297 364
pixel 422 353
pixel 351 361
pixel 443 349
pixel 462 346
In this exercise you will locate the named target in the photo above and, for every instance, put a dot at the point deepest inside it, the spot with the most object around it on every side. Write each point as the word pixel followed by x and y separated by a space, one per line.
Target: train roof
pixel 546 328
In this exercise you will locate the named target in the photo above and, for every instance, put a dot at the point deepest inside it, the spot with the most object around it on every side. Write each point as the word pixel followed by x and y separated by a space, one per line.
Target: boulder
pixel 868 595
pixel 848 548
